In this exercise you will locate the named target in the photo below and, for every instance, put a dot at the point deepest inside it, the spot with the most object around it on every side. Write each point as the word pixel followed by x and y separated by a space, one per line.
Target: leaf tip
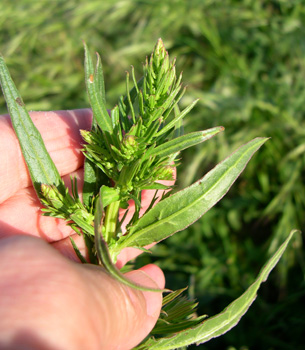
pixel 85 45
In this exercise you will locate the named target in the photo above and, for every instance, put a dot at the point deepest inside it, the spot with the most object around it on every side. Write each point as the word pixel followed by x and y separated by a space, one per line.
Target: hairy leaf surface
pixel 224 321
pixel 96 92
pixel 180 210
pixel 182 142
pixel 41 167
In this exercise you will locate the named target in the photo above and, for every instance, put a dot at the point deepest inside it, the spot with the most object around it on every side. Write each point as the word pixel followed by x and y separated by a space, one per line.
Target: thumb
pixel 48 301
pixel 126 315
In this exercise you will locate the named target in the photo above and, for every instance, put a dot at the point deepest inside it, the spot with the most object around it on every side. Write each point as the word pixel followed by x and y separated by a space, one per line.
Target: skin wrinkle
pixel 56 137
pixel 132 303
pixel 64 246
pixel 104 302
pixel 5 161
pixel 126 311
pixel 20 212
pixel 129 302
pixel 14 164
pixel 26 202
pixel 36 269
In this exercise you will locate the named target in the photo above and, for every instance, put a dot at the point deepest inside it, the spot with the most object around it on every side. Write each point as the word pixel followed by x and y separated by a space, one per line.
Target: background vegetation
pixel 245 60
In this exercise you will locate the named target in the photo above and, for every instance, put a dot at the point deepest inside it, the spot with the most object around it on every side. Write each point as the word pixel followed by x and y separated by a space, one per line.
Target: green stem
pixel 110 221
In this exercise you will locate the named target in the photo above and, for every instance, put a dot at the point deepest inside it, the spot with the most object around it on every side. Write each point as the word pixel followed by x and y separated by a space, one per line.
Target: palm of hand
pixel 47 287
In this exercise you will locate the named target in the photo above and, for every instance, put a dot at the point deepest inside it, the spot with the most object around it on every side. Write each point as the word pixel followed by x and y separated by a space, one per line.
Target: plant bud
pixel 86 135
pixel 166 173
pixel 159 53
pixel 52 195
pixel 130 142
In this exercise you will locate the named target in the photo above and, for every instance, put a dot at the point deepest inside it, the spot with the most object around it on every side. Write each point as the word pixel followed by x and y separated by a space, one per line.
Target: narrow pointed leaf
pixel 94 178
pixel 80 222
pixel 89 187
pixel 100 84
pixel 109 195
pixel 133 94
pixel 40 165
pixel 177 118
pixel 180 143
pixel 172 296
pixel 179 130
pixel 155 186
pixel 77 251
pixel 224 321
pixel 180 210
pixel 94 84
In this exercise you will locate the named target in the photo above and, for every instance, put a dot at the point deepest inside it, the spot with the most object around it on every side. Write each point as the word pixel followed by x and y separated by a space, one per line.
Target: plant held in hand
pixel 131 149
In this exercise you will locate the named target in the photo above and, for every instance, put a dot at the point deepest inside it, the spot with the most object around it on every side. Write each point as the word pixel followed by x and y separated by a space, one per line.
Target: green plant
pixel 128 151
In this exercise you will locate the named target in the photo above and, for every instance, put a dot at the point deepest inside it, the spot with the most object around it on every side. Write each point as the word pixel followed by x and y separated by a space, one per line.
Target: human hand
pixel 48 301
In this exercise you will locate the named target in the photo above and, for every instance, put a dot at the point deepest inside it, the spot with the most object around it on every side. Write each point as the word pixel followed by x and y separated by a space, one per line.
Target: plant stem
pixel 110 222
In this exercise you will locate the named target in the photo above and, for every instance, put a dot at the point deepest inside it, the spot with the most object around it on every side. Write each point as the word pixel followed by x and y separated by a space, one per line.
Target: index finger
pixel 60 132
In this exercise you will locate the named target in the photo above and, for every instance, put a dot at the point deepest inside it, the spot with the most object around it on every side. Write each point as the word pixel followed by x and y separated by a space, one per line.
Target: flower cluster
pixel 147 117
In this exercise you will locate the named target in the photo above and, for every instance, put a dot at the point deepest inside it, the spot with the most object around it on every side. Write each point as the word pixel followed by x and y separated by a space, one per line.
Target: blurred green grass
pixel 245 60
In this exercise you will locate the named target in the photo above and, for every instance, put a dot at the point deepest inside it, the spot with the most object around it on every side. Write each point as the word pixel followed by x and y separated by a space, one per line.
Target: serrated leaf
pixel 40 165
pixel 180 210
pixel 182 142
pixel 222 322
